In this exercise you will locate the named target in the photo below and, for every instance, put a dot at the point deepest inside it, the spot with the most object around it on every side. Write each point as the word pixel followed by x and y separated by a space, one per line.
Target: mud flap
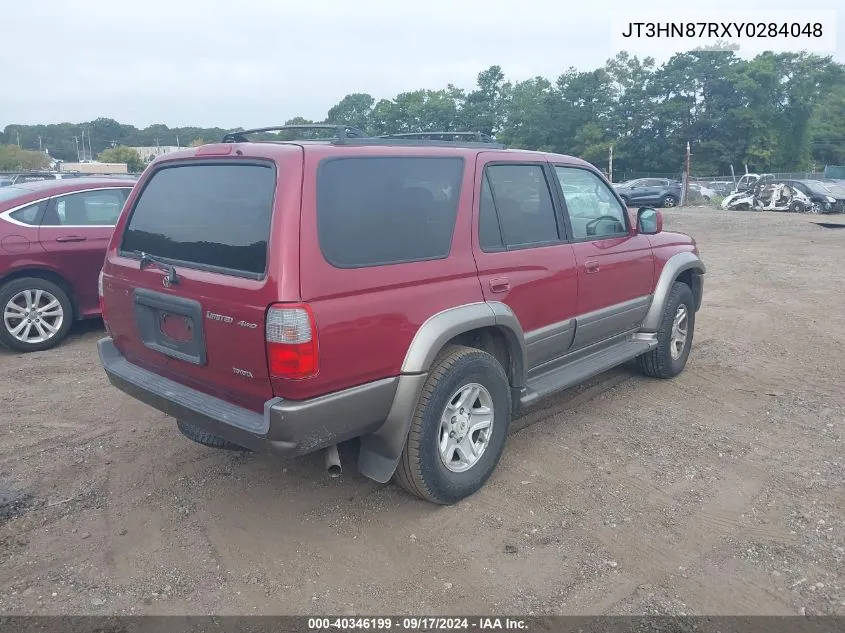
pixel 381 450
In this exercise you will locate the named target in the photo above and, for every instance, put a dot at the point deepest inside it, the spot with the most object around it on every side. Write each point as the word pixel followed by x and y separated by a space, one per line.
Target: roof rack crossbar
pixel 340 131
pixel 476 136
pixel 398 141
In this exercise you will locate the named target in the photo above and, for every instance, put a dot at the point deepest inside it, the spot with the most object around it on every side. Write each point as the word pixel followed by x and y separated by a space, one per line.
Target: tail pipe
pixel 333 466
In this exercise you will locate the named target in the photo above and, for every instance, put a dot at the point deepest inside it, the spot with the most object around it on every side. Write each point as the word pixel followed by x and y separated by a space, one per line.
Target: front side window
pixel 88 208
pixel 594 211
pixel 518 197
pixel 387 210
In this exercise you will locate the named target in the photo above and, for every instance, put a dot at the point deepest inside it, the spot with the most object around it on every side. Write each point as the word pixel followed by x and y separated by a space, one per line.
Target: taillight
pixel 102 303
pixel 291 337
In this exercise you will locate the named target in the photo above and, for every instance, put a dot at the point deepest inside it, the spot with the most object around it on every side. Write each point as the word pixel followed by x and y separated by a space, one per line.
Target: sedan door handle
pixel 592 266
pixel 71 238
pixel 502 284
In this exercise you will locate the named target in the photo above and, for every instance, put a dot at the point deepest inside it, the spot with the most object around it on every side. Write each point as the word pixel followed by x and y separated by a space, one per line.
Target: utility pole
pixel 177 141
pixel 76 140
pixel 686 176
pixel 19 138
pixel 610 165
pixel 40 149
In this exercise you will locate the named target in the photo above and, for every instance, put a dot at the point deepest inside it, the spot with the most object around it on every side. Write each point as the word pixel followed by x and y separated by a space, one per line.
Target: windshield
pixel 817 187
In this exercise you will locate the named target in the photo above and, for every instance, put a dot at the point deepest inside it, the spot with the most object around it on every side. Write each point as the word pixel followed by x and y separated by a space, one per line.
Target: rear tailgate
pixel 210 220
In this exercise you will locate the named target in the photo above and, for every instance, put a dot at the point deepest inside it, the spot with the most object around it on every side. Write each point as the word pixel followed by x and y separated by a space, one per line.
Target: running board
pixel 577 371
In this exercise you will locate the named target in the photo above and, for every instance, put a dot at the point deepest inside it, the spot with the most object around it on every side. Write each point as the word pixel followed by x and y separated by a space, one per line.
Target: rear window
pixel 386 210
pixel 206 216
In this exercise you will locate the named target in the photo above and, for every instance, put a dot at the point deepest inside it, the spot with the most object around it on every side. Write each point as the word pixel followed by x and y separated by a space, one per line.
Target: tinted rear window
pixel 387 210
pixel 206 215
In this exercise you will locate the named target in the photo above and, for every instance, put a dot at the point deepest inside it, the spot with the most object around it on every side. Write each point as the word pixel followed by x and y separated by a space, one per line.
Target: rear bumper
pixel 286 427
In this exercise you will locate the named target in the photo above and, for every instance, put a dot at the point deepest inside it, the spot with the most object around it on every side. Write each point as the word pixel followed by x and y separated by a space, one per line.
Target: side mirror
pixel 649 221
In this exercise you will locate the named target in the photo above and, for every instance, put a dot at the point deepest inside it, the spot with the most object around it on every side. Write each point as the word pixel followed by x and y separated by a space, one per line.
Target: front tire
pixel 669 201
pixel 37 314
pixel 459 427
pixel 674 335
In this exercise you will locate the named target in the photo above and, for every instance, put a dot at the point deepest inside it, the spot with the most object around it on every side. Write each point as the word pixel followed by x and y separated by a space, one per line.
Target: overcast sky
pixel 232 63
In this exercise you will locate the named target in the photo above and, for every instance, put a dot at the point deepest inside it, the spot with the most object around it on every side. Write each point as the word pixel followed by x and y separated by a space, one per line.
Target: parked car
pixel 644 191
pixel 769 195
pixel 821 195
pixel 721 187
pixel 413 294
pixel 704 192
pixel 36 176
pixel 53 238
pixel 5 181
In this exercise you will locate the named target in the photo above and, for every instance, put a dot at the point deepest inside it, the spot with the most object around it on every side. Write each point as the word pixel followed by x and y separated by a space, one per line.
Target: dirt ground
pixel 719 492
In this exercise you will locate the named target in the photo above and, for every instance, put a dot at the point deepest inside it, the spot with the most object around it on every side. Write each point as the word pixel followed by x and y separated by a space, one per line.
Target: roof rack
pixel 479 137
pixel 340 131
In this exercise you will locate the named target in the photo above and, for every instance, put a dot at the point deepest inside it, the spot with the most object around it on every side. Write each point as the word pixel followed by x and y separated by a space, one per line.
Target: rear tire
pixel 669 358
pixel 449 453
pixel 41 308
pixel 198 435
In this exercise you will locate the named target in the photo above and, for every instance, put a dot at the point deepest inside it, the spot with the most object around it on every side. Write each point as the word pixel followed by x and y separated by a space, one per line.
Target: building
pixel 149 153
pixel 95 168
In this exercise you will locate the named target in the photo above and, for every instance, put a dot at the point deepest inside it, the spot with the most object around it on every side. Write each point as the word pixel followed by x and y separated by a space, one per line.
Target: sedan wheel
pixel 33 316
pixel 669 202
pixel 37 314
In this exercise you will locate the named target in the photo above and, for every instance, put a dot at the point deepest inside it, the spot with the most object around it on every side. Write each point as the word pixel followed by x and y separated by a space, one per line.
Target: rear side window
pixel 386 210
pixel 518 195
pixel 30 214
pixel 88 208
pixel 208 216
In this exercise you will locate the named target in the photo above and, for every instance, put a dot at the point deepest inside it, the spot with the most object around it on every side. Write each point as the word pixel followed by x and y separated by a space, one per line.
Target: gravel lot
pixel 720 492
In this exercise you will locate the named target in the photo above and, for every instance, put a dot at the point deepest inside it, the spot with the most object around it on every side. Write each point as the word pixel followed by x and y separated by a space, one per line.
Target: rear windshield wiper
pixel 146 260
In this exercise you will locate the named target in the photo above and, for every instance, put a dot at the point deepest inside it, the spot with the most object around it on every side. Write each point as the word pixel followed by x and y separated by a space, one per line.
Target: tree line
pixel 774 112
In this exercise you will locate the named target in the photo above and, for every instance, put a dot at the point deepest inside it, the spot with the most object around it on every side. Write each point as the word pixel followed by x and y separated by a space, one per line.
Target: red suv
pixel 285 296
pixel 53 238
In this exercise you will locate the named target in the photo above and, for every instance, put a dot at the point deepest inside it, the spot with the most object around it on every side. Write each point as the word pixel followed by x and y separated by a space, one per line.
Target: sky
pixel 252 63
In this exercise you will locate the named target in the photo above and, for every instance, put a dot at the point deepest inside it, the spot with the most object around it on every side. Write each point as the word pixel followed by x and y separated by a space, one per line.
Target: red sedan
pixel 53 239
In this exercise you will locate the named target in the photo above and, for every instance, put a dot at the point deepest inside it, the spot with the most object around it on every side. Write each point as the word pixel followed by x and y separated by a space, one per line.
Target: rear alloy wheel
pixel 37 314
pixel 815 208
pixel 459 428
pixel 669 201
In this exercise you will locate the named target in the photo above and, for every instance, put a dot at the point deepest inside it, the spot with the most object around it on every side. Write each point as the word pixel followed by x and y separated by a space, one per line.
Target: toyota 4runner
pixel 285 296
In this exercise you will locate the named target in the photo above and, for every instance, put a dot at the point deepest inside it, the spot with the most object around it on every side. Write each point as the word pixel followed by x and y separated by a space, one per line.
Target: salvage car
pixel 658 191
pixel 821 195
pixel 412 294
pixel 53 238
pixel 769 195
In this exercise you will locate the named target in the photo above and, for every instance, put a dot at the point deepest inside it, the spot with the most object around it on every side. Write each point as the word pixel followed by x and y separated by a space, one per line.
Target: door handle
pixel 592 266
pixel 71 238
pixel 502 284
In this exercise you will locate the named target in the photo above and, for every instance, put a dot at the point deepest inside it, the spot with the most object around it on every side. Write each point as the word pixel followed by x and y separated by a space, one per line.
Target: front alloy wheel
pixel 669 202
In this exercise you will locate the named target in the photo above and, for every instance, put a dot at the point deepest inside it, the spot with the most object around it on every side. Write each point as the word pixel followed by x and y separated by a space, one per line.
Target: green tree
pixel 122 154
pixel 13 158
pixel 354 109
